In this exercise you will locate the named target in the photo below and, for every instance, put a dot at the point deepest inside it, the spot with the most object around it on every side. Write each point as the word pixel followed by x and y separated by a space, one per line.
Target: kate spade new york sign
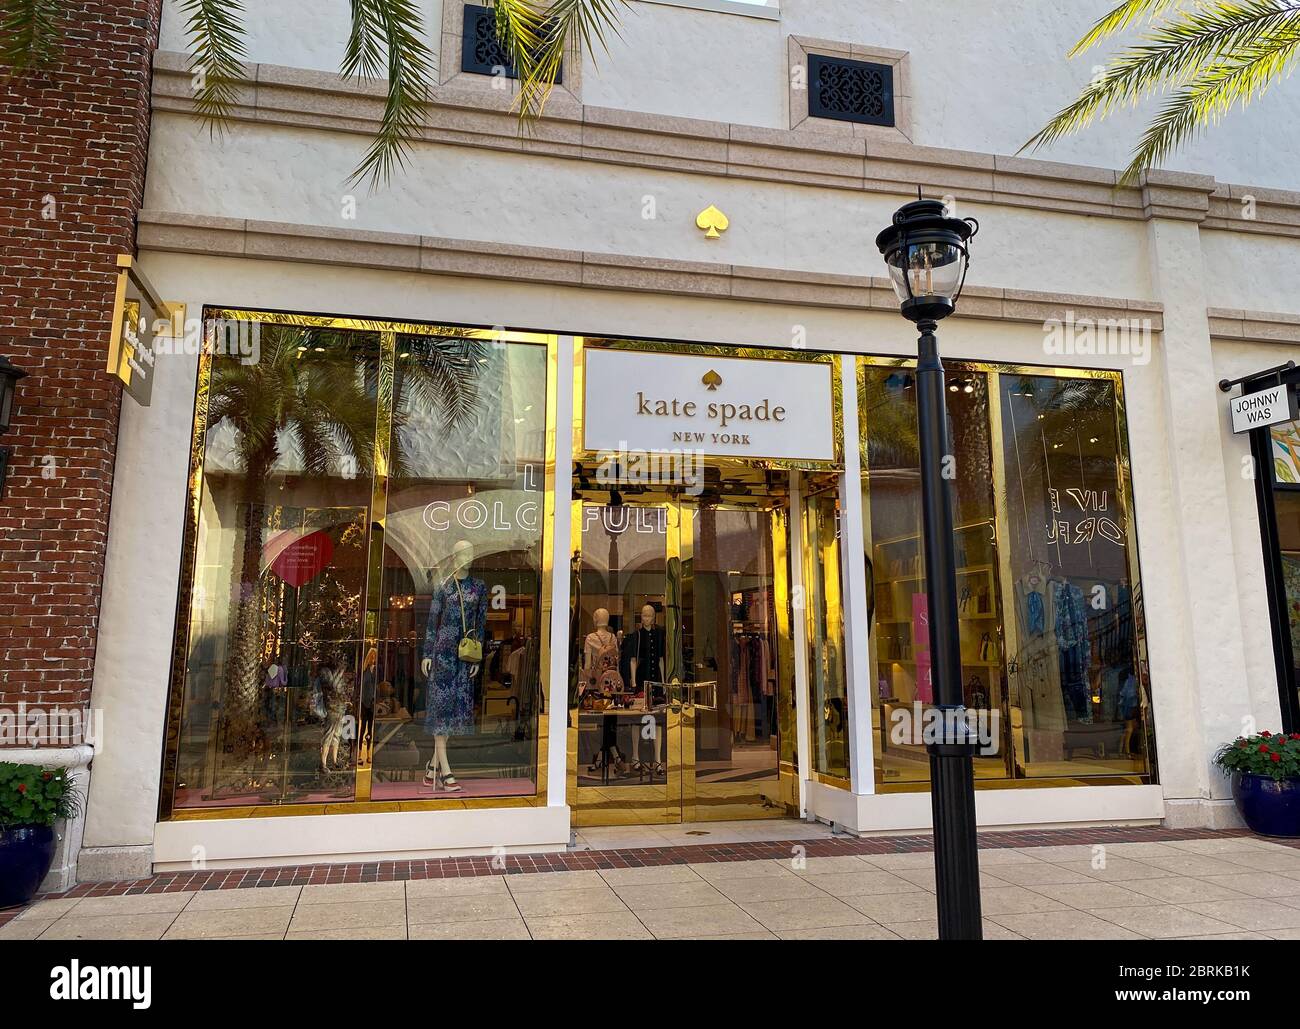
pixel 721 406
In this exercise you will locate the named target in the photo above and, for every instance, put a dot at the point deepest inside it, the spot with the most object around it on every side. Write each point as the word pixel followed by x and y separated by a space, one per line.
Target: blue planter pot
pixel 1271 807
pixel 26 854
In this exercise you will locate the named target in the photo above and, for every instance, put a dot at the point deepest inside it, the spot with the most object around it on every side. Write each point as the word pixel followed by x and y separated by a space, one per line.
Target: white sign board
pixel 720 406
pixel 1267 407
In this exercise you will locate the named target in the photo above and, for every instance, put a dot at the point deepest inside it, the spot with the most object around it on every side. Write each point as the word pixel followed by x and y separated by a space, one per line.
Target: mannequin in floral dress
pixel 458 610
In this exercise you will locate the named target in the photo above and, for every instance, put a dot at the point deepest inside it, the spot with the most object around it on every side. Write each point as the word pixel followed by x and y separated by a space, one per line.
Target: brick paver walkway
pixel 1078 883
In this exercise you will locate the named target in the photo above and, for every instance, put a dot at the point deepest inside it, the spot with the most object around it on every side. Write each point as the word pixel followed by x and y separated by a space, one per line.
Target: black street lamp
pixel 927 254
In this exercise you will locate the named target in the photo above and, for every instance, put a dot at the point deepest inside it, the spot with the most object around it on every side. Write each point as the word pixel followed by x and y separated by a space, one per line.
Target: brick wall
pixel 72 154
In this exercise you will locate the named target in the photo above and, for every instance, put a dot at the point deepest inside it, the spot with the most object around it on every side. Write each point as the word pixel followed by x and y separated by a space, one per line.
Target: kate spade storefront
pixel 410 594
pixel 702 478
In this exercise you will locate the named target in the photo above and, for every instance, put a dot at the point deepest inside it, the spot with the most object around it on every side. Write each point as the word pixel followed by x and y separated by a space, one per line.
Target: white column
pixel 557 759
pixel 798 618
pixel 133 657
pixel 1207 708
pixel 857 655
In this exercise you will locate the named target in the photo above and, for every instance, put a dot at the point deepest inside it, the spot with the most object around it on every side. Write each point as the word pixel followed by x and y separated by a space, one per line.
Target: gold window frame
pixel 994 370
pixel 388 331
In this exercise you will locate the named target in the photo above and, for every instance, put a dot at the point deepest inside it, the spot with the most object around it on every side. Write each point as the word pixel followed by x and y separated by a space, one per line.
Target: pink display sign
pixel 304 559
pixel 921 647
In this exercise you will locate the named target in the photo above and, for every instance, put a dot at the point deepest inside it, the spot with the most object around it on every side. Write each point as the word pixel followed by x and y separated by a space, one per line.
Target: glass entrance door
pixel 625 722
pixel 676 653
pixel 731 646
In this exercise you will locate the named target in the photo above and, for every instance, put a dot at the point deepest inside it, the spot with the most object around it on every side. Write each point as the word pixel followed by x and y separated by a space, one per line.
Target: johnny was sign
pixel 722 406
pixel 1267 407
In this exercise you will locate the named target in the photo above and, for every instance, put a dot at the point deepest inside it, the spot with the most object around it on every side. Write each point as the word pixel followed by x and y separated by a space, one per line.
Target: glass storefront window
pixel 891 496
pixel 278 597
pixel 1049 604
pixel 827 679
pixel 365 600
pixel 462 558
pixel 1078 675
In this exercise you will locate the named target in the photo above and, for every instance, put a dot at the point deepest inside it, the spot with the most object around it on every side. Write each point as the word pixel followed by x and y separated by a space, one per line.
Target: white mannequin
pixel 462 557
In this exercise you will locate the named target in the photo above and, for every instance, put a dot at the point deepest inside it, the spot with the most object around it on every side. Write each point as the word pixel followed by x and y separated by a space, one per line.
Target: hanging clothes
pixel 1037 662
pixel 1075 650
pixel 742 698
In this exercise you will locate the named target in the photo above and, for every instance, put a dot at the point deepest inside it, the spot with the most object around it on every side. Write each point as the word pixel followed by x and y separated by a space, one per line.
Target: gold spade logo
pixel 712 221
pixel 713 380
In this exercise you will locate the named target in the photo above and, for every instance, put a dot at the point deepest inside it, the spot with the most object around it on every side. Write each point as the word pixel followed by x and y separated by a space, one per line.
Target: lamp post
pixel 927 254
pixel 9 376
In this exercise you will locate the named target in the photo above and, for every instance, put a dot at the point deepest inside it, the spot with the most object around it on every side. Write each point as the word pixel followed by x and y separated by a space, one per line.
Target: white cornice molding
pixel 276 95
pixel 1271 212
pixel 1254 326
pixel 167 232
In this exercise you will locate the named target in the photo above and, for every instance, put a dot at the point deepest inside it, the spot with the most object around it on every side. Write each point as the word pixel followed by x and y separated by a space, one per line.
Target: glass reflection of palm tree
pixel 312 396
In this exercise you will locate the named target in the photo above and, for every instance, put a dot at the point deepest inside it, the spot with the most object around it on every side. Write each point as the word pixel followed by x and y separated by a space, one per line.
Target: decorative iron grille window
pixel 847 90
pixel 481 50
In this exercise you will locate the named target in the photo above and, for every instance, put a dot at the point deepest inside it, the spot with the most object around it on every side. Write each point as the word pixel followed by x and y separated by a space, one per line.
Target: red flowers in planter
pixel 1276 755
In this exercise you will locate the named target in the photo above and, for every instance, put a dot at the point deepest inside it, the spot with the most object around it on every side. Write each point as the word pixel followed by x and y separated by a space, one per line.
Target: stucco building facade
pixel 701 201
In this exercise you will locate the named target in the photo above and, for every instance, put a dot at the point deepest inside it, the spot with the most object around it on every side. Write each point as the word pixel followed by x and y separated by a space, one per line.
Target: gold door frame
pixel 642 804
pixel 1008 642
pixel 787 780
pixel 388 331
pixel 677 799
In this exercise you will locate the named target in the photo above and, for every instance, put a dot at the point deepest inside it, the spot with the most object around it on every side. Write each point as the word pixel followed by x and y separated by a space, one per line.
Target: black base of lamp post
pixel 956 859
pixel 952 784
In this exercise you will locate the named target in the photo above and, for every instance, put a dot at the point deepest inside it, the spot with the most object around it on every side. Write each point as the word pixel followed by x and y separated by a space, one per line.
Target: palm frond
pixel 216 40
pixel 30 34
pixel 535 37
pixel 364 56
pixel 316 444
pixel 1171 54
pixel 1220 87
pixel 1118 20
pixel 410 79
pixel 442 375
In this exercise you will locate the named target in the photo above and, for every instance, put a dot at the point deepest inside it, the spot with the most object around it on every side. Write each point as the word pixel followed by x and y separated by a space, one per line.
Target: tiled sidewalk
pixel 1151 883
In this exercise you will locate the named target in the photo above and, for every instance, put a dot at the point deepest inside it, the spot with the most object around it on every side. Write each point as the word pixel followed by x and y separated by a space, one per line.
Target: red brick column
pixel 73 144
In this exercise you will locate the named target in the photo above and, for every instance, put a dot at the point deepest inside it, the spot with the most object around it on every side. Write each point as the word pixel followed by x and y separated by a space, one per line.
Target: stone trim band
pixel 168 232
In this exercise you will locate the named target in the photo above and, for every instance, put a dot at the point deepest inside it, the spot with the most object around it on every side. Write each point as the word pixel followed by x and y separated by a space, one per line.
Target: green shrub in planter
pixel 32 799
